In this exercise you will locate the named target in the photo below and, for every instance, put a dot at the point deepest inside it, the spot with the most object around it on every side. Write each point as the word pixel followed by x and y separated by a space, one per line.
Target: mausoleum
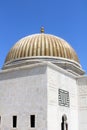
pixel 43 86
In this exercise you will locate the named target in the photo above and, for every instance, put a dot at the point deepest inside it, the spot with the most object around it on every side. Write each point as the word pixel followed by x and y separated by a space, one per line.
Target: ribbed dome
pixel 41 45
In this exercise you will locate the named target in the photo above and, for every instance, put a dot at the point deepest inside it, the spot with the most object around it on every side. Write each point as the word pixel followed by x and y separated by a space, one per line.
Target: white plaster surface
pixel 82 96
pixel 60 80
pixel 33 90
pixel 23 93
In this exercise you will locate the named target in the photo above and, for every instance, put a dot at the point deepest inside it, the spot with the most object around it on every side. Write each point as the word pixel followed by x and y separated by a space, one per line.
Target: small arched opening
pixel 64 124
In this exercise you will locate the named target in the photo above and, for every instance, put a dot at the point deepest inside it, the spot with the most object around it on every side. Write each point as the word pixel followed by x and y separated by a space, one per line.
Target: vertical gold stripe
pixel 31 46
pixel 51 47
pixel 64 49
pixel 47 46
pixel 39 46
pixel 58 47
pixel 16 49
pixel 10 54
pixel 54 47
pixel 24 48
pixel 25 54
pixel 44 45
pixel 35 46
pixel 42 39
pixel 28 46
pixel 19 50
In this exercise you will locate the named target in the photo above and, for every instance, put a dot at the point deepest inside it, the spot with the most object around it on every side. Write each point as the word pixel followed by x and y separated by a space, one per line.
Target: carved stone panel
pixel 63 98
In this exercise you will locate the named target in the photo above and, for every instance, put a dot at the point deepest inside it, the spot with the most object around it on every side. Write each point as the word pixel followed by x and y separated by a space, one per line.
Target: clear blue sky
pixel 64 18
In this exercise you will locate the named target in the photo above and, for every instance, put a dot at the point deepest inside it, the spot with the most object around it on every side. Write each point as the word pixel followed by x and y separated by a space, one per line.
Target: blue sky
pixel 64 18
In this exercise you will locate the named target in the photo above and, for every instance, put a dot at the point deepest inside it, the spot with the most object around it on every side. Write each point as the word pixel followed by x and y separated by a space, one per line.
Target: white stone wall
pixel 23 92
pixel 33 90
pixel 59 79
pixel 82 94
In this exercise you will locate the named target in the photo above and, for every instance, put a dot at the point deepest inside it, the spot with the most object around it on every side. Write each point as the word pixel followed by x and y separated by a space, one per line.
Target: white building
pixel 42 86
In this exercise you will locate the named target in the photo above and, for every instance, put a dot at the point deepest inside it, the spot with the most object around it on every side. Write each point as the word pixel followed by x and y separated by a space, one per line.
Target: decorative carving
pixel 63 98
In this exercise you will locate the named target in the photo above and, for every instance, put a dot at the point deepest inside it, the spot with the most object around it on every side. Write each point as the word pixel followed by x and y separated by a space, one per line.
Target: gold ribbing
pixel 41 45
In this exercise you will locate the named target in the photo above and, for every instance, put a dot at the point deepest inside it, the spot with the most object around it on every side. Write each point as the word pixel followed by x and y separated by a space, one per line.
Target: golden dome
pixel 41 45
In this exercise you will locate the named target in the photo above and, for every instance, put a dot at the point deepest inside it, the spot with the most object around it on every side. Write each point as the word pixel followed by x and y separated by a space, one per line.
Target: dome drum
pixel 70 66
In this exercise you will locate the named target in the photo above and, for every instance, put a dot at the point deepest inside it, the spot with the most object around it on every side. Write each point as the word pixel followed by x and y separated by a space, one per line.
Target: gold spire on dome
pixel 42 30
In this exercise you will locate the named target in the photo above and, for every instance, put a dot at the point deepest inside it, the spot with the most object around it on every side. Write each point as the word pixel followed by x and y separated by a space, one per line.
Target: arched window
pixel 64 124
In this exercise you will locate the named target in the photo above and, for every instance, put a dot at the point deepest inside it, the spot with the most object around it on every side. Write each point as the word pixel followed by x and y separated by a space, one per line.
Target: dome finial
pixel 42 30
